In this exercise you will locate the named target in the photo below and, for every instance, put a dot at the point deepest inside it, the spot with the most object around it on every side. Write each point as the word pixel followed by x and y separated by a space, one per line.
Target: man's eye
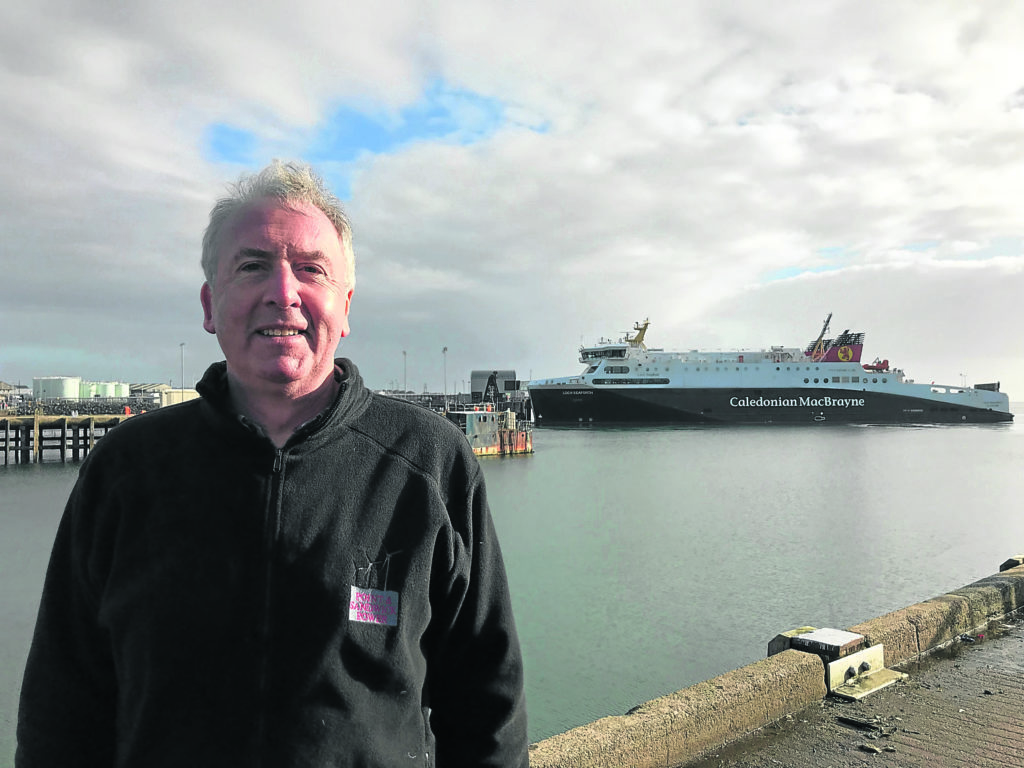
pixel 250 266
pixel 311 269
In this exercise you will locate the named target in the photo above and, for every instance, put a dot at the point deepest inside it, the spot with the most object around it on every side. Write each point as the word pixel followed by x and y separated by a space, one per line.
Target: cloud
pixel 525 177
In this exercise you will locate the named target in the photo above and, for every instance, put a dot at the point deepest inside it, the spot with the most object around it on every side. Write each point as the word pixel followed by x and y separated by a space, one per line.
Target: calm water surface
pixel 642 561
pixel 645 561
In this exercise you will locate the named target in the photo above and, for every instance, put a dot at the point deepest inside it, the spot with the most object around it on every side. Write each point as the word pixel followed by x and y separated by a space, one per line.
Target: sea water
pixel 642 561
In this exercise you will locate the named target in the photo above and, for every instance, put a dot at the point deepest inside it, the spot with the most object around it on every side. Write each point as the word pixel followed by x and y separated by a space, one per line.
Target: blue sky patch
pixel 836 256
pixel 997 246
pixel 783 274
pixel 922 245
pixel 226 144
pixel 442 113
pixel 788 272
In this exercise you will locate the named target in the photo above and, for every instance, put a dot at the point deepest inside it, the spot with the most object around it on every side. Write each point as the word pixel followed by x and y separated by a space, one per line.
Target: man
pixel 288 571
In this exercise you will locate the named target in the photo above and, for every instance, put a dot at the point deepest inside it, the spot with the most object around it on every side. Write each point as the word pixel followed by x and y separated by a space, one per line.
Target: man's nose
pixel 282 286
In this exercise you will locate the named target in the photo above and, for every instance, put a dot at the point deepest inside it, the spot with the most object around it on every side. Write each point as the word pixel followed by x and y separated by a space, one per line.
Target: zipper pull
pixel 278 460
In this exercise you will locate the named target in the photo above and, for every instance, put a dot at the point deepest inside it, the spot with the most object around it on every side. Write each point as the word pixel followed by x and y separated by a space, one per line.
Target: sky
pixel 526 177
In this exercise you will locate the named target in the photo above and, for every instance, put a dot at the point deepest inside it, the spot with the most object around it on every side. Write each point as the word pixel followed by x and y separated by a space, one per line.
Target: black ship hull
pixel 592 405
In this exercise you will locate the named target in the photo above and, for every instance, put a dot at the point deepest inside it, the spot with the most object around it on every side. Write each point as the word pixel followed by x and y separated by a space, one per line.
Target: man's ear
pixel 206 299
pixel 348 305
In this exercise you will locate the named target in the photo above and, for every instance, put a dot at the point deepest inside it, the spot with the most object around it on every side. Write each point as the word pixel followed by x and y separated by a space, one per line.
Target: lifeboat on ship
pixel 878 365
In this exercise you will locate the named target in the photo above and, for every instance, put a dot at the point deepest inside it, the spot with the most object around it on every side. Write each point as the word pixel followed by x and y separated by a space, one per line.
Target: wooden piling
pixel 24 440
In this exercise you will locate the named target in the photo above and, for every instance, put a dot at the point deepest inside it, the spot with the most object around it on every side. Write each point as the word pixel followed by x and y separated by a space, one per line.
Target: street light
pixel 182 345
pixel 405 374
pixel 444 357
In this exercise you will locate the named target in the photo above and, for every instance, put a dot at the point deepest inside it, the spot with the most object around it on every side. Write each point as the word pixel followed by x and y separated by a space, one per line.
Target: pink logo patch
pixel 373 606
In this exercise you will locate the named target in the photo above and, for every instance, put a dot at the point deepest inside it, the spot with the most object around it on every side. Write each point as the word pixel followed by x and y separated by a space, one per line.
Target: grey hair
pixel 291 183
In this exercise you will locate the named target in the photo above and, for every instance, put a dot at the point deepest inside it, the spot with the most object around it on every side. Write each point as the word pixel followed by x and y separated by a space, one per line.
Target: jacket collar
pixel 351 399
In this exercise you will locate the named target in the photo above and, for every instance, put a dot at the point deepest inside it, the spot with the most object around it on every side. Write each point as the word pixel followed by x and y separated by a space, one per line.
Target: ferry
pixel 624 382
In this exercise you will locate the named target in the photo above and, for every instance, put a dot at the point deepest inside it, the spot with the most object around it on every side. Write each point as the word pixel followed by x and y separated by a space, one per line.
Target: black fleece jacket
pixel 214 601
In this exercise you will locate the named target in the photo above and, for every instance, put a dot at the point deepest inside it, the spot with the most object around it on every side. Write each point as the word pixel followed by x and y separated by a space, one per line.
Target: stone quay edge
pixel 681 727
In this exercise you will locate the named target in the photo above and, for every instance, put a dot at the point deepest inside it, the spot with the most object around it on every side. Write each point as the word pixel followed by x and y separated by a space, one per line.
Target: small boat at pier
pixel 494 433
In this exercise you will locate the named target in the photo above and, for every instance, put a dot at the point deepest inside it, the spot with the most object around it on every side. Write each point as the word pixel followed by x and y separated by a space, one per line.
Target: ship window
pixel 807 381
pixel 631 381
pixel 777 368
pixel 874 381
pixel 815 381
pixel 855 379
pixel 845 379
pixel 825 380
pixel 884 380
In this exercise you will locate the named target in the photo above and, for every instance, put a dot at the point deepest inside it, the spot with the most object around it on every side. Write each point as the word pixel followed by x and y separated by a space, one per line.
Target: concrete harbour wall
pixel 683 726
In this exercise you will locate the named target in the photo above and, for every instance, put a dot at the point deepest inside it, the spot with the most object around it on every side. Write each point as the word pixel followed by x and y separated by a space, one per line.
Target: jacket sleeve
pixel 66 714
pixel 475 677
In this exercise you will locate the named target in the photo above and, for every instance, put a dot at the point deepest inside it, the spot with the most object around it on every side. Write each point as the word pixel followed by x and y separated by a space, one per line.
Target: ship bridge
pixel 614 351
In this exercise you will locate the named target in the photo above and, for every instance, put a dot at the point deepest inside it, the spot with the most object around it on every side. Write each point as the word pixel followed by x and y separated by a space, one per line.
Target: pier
pixel 935 716
pixel 26 438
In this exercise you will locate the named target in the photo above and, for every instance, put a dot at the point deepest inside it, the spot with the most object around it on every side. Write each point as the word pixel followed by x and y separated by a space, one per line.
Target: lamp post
pixel 405 374
pixel 182 345
pixel 444 358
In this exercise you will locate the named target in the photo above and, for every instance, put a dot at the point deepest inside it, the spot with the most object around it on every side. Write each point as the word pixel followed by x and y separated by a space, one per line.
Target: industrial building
pixel 495 386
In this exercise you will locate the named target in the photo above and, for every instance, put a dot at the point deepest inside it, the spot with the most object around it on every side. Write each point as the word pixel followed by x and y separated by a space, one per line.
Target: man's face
pixel 279 304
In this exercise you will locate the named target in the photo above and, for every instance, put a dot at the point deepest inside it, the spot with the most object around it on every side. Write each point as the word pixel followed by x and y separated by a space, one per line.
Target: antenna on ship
pixel 818 351
pixel 638 340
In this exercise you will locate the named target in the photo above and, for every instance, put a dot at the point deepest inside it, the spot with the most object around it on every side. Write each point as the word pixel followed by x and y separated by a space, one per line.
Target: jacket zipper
pixel 269 541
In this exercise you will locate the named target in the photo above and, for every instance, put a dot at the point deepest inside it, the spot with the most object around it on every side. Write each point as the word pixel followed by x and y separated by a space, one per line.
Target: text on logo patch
pixel 373 606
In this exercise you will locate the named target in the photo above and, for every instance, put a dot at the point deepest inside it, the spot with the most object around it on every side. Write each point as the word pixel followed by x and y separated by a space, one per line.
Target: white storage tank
pixel 107 389
pixel 56 387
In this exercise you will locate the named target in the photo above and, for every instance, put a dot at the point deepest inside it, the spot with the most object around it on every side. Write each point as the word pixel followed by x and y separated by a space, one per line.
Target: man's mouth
pixel 279 332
